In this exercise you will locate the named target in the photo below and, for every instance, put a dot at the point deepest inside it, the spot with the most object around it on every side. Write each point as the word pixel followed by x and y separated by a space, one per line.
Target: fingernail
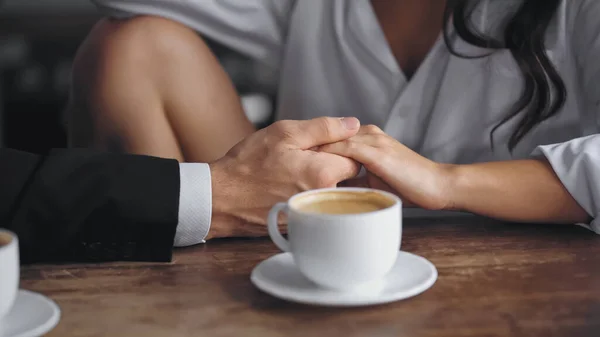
pixel 351 123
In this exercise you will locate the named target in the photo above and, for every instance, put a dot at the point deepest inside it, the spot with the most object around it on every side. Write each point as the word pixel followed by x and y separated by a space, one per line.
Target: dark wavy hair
pixel 544 92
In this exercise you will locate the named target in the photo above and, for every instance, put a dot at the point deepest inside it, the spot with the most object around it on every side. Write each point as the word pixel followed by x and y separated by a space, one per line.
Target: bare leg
pixel 151 86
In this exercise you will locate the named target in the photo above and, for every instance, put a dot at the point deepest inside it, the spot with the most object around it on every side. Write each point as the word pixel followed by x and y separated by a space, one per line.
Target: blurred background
pixel 38 41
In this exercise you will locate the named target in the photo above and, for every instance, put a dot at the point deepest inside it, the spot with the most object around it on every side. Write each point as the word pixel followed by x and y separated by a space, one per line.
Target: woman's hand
pixel 393 167
pixel 502 189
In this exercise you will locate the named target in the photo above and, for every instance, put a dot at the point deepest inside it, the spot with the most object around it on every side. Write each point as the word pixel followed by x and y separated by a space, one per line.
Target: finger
pixel 358 148
pixel 328 170
pixel 341 168
pixel 319 131
pixel 348 169
pixel 362 136
pixel 370 129
pixel 373 140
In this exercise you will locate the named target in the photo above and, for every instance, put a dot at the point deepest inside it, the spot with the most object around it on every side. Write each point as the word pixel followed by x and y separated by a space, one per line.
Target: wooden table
pixel 494 280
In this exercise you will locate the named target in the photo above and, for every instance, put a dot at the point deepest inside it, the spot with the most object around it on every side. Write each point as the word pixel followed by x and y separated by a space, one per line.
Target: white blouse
pixel 334 60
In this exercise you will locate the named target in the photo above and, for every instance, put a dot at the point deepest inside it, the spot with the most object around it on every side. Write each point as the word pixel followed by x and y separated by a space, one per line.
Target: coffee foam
pixel 5 239
pixel 346 202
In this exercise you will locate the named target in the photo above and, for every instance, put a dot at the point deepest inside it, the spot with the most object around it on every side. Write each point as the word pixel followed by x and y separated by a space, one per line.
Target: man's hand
pixel 270 166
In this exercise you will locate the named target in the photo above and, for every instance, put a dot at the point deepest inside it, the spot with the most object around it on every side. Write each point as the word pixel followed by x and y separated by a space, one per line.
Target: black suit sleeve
pixel 77 205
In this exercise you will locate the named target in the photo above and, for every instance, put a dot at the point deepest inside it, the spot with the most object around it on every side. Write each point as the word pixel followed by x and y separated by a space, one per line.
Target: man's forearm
pixel 519 190
pixel 80 205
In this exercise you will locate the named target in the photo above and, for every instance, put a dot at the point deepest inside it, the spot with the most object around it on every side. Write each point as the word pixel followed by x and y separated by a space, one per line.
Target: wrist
pixel 455 186
pixel 221 194
pixel 233 213
pixel 219 188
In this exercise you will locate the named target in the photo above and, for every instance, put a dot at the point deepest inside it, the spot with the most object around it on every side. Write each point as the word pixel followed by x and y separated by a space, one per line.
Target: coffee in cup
pixel 341 238
pixel 5 239
pixel 9 270
pixel 336 202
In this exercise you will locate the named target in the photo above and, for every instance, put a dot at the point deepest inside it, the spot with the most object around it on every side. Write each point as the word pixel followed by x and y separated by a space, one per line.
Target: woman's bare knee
pixel 155 87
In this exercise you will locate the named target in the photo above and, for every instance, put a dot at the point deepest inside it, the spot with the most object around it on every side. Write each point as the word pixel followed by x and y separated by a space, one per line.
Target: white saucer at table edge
pixel 32 315
pixel 278 276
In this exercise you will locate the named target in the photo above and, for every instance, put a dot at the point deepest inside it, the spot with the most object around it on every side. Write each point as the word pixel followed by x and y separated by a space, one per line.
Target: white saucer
pixel 32 315
pixel 278 276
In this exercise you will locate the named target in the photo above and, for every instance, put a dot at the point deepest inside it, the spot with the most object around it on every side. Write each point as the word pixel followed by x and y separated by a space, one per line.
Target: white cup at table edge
pixel 9 272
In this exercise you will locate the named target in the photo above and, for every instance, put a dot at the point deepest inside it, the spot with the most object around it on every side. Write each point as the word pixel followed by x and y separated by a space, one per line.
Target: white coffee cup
pixel 341 251
pixel 9 270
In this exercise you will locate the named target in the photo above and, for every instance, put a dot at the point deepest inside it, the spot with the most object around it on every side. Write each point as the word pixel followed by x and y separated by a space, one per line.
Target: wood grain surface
pixel 494 280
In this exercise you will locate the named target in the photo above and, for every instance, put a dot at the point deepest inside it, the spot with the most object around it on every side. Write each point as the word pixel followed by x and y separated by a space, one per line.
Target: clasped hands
pixel 288 157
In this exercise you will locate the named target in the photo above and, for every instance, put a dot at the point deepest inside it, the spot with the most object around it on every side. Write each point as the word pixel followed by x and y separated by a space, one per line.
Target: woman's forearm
pixel 519 190
pixel 524 190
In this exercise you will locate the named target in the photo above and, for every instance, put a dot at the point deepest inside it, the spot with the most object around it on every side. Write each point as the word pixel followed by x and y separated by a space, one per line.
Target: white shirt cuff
pixel 195 204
